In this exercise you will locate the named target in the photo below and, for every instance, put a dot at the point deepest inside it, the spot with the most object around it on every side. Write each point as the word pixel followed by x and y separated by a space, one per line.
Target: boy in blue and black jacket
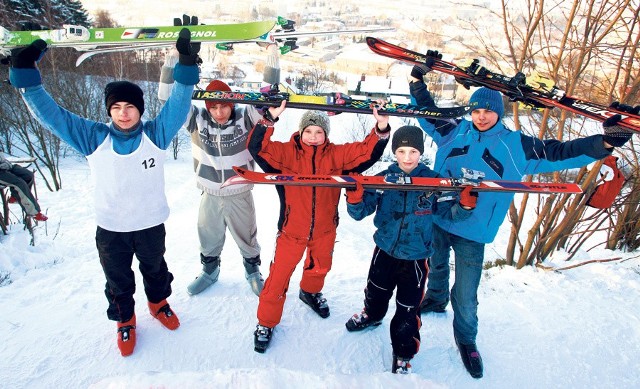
pixel 403 245
pixel 484 143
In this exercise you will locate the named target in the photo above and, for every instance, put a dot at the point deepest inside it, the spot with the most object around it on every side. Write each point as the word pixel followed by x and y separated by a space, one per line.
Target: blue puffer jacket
pixel 86 135
pixel 403 218
pixel 501 154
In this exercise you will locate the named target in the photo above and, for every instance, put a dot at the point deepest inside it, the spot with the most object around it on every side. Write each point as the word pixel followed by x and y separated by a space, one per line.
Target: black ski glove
pixel 188 51
pixel 30 26
pixel 625 108
pixel 419 71
pixel 26 57
pixel 614 134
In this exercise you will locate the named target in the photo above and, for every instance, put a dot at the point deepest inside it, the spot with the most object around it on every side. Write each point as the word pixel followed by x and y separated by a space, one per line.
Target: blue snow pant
pixel 469 256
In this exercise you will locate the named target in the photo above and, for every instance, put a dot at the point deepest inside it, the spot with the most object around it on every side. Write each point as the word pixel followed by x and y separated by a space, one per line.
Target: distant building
pixel 395 89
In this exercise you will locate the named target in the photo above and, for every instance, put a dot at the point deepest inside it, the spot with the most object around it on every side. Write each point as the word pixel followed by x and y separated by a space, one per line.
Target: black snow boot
pixel 429 305
pixel 261 338
pixel 316 302
pixel 360 321
pixel 401 365
pixel 471 358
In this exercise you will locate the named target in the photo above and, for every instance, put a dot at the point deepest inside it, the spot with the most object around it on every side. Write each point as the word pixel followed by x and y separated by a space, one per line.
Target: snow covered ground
pixel 538 329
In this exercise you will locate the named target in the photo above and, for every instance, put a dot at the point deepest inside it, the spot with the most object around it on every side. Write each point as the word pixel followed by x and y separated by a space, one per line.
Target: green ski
pixel 81 37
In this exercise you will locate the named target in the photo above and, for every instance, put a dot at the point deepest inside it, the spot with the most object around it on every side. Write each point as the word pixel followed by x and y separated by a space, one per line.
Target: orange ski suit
pixel 308 215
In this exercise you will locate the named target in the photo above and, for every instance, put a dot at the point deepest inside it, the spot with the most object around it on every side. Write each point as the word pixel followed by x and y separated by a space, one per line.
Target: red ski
pixel 535 93
pixel 399 182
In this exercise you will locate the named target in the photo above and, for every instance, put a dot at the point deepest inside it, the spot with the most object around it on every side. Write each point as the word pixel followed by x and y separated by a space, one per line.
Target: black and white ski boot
pixel 316 302
pixel 361 321
pixel 261 338
pixel 401 365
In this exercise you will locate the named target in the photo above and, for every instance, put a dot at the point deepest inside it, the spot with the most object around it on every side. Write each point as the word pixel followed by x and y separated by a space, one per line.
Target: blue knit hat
pixel 485 98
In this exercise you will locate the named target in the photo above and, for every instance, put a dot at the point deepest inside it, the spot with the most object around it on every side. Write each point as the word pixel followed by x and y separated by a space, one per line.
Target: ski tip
pixel 82 57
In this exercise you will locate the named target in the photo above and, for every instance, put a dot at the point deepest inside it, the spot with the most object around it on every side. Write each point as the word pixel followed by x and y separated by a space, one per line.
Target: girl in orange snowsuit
pixel 308 215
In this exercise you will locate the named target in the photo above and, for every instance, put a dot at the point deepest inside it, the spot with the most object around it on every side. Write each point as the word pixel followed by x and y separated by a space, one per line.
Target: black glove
pixel 188 51
pixel 419 71
pixel 26 57
pixel 625 108
pixel 30 26
pixel 432 55
pixel 614 134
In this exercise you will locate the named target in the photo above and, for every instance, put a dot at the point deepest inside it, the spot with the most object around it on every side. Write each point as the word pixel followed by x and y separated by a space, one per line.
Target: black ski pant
pixel 116 250
pixel 408 278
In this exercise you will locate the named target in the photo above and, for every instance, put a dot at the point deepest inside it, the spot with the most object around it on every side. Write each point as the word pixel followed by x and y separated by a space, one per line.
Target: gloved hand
pixel 26 57
pixel 434 54
pixel 468 199
pixel 419 71
pixel 614 134
pixel 625 108
pixel 30 26
pixel 188 51
pixel 354 196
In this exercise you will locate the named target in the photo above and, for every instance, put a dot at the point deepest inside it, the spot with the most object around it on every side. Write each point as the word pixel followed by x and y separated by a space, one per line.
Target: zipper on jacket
pixel 218 127
pixel 313 193
pixel 404 213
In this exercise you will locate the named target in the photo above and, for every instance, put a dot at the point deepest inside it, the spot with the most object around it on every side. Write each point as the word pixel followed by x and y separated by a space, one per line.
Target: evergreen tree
pixel 45 13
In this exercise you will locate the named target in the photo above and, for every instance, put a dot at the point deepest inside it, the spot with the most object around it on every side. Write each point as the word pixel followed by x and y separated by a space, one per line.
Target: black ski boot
pixel 471 358
pixel 261 338
pixel 361 321
pixel 316 302
pixel 401 365
pixel 429 305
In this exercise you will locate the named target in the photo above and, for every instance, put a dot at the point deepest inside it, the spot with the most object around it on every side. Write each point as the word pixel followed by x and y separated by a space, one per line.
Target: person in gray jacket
pixel 219 134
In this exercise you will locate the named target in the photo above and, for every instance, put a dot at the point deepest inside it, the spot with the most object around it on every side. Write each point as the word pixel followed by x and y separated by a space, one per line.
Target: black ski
pixel 334 103
pixel 537 93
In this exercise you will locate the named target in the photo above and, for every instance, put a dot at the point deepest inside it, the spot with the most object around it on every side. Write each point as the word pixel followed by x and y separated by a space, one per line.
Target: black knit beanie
pixel 408 136
pixel 123 91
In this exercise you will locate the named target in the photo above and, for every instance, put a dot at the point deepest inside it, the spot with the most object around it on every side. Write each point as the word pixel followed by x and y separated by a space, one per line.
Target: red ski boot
pixel 127 336
pixel 163 312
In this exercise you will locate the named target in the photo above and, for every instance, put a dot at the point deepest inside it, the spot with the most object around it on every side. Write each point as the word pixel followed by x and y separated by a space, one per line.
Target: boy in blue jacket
pixel 126 158
pixel 403 245
pixel 487 145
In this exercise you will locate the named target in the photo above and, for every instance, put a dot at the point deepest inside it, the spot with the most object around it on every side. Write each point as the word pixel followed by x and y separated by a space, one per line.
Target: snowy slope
pixel 538 329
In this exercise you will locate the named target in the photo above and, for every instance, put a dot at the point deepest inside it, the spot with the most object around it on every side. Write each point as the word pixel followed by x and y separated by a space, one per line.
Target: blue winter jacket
pixel 403 218
pixel 501 154
pixel 86 135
